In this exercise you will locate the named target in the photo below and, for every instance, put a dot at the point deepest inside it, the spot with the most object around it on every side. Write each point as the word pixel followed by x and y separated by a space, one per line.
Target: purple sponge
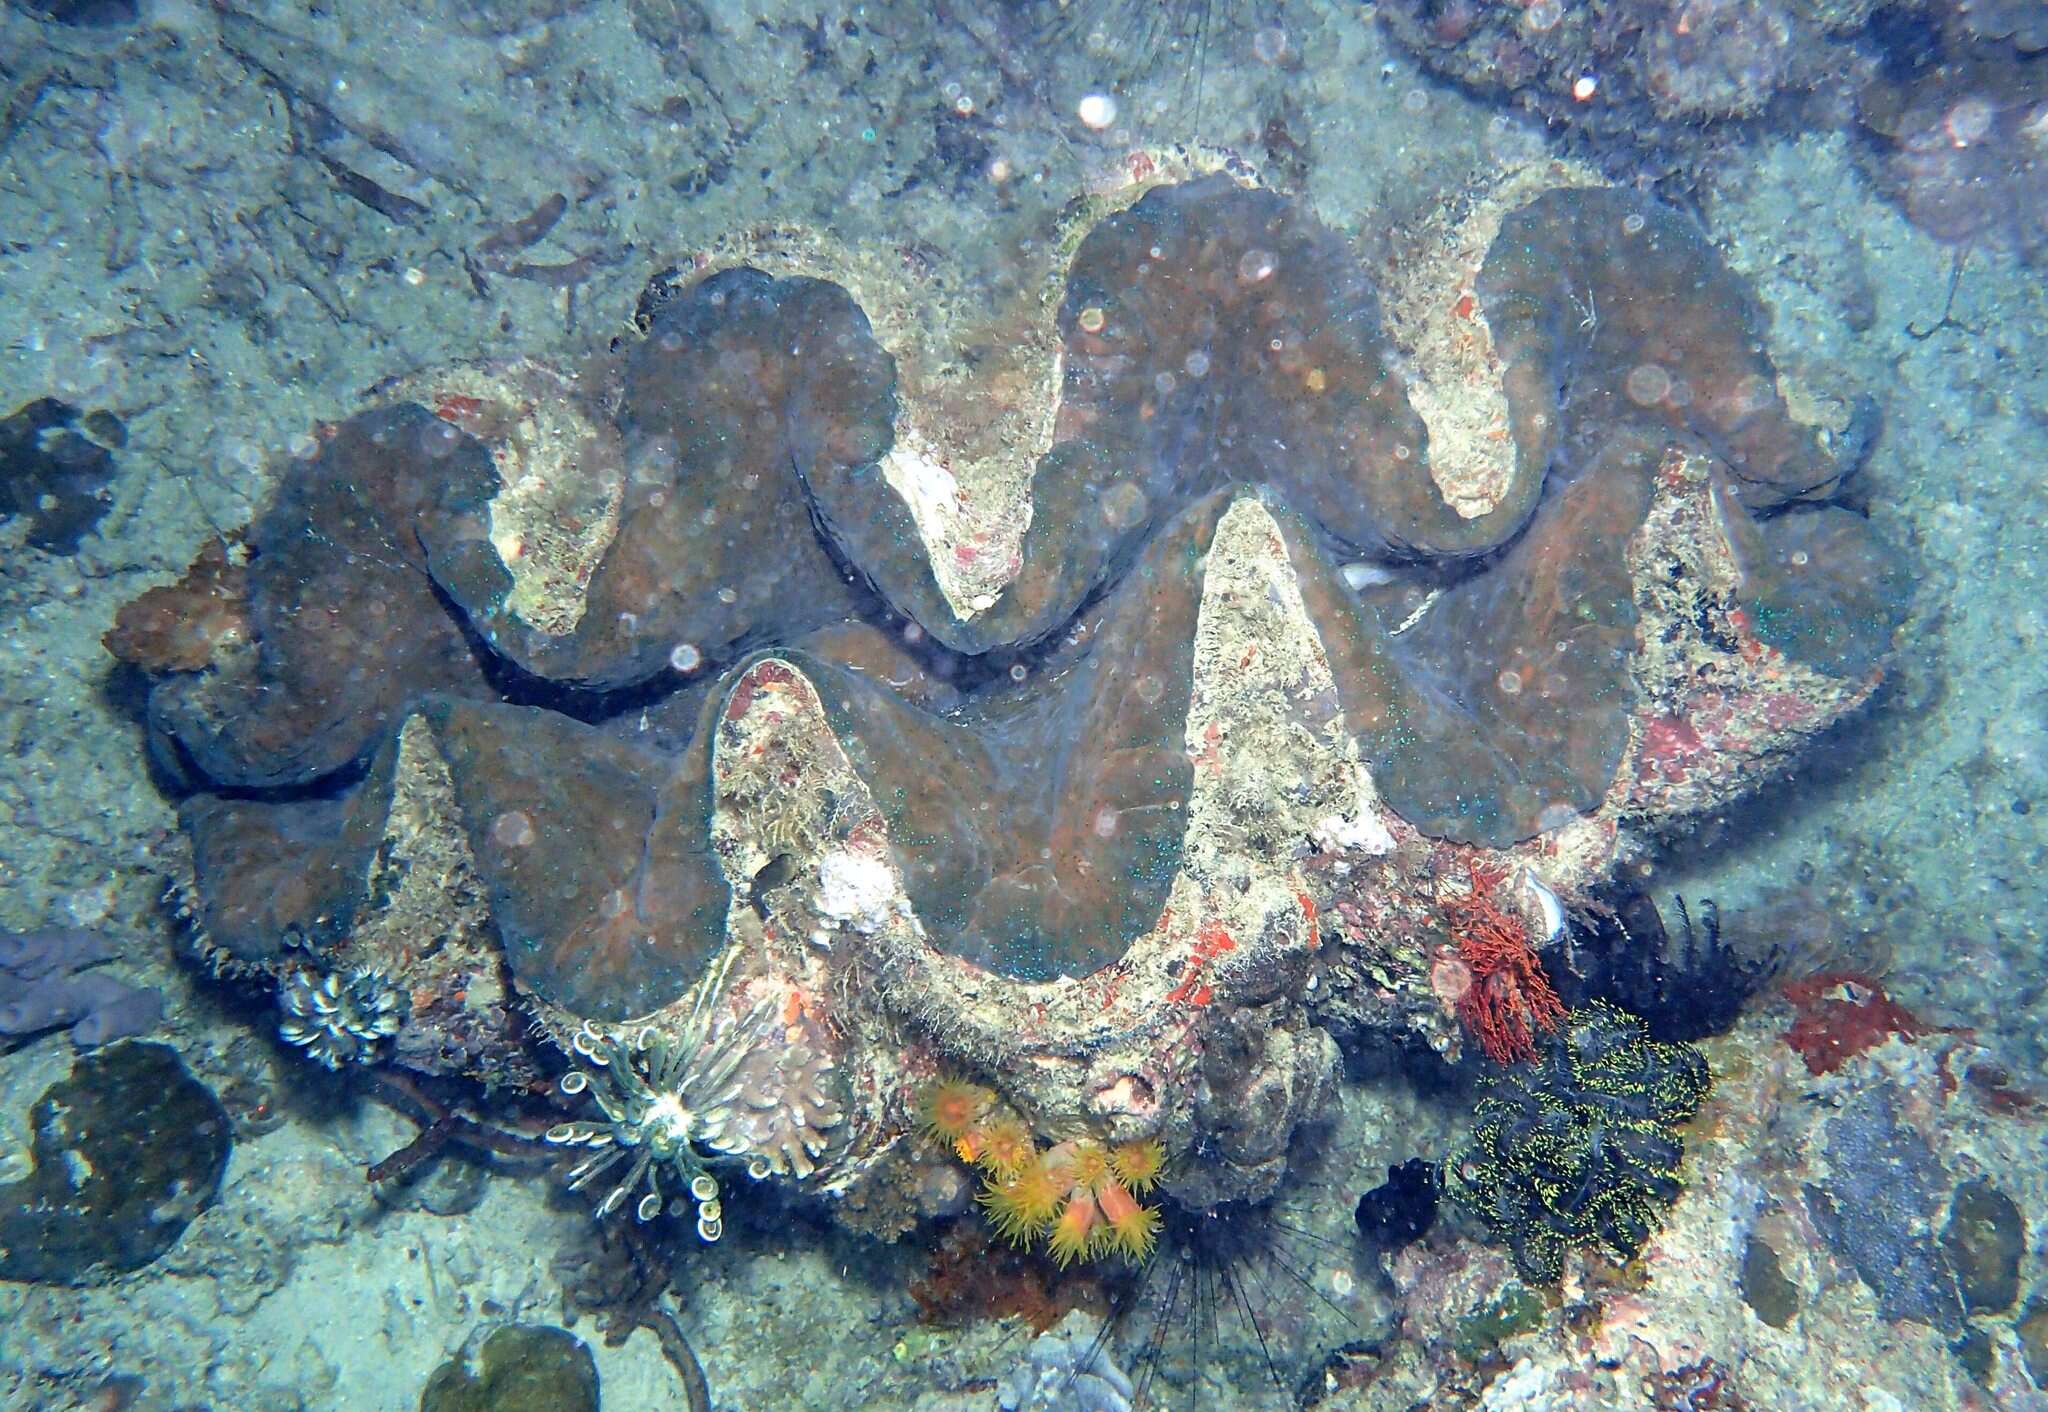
pixel 46 983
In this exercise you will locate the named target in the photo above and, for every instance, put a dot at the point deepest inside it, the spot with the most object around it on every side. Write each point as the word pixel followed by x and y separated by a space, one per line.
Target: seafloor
pixel 225 223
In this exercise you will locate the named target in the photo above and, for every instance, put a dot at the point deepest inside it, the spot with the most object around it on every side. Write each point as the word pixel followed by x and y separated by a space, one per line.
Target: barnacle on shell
pixel 337 1018
pixel 750 1088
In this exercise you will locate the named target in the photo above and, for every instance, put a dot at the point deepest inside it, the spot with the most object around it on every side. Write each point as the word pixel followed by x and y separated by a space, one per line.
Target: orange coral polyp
pixel 1131 1229
pixel 1074 1234
pixel 1138 1164
pixel 950 1109
pixel 1003 1146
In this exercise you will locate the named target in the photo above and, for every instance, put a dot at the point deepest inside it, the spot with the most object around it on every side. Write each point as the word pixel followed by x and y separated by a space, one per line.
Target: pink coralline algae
pixel 750 760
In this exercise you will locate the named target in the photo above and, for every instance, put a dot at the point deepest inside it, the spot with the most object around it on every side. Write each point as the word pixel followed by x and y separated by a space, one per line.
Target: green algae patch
pixel 1986 1236
pixel 1765 1288
pixel 126 1151
pixel 1515 1310
pixel 2032 1330
pixel 520 1368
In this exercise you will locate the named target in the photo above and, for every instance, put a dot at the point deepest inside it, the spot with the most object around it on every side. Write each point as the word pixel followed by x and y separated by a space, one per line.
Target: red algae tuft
pixel 1840 1015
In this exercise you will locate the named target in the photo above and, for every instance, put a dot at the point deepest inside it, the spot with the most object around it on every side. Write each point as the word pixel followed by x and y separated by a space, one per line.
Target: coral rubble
pixel 1066 1367
pixel 1959 143
pixel 1947 97
pixel 1088 822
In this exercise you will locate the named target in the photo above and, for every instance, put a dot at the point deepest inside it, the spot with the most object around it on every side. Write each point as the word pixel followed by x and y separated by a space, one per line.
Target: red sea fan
pixel 1510 998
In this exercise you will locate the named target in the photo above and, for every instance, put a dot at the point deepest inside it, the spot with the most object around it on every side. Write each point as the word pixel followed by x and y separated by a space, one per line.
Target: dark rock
pixel 1402 1207
pixel 520 1368
pixel 1765 1288
pixel 1985 1237
pixel 88 14
pixel 2032 1331
pixel 52 474
pixel 127 1151
pixel 1982 192
pixel 1977 1351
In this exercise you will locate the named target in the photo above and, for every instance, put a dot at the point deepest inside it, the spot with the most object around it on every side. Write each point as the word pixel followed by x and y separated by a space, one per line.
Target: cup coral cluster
pixel 1080 1195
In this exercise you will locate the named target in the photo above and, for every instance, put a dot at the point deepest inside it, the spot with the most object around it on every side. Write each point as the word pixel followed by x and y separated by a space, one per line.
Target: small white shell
pixel 1547 905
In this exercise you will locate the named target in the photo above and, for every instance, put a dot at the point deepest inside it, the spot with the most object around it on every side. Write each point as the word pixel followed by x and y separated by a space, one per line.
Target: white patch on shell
pixel 856 888
pixel 1360 831
pixel 1548 907
pixel 1360 575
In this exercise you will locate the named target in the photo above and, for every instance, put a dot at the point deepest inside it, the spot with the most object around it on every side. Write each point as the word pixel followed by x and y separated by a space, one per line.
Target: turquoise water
pixel 1021 705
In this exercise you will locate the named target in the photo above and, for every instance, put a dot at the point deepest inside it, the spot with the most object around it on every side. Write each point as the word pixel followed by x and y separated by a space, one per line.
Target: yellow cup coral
pixel 1080 1194
pixel 1002 1147
pixel 949 1110
pixel 1138 1164
pixel 1021 1206
pixel 1128 1229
